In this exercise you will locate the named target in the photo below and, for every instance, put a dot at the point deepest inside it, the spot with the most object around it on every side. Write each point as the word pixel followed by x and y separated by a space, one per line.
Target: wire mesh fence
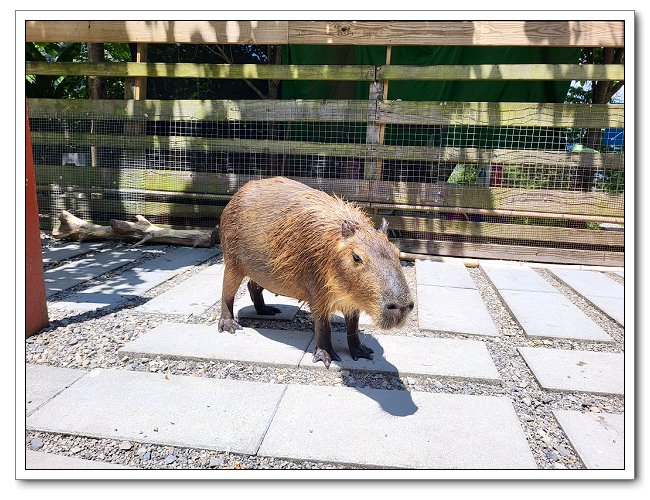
pixel 512 175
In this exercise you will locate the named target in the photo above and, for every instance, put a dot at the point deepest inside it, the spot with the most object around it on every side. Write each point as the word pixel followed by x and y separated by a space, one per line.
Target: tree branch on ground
pixel 75 229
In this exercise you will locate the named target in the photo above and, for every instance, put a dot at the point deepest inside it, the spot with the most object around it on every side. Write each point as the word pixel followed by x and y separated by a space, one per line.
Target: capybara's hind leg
pixel 232 278
pixel 357 349
pixel 324 350
pixel 258 300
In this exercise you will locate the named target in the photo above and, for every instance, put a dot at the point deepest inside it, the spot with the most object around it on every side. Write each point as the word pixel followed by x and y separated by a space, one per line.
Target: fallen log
pixel 75 229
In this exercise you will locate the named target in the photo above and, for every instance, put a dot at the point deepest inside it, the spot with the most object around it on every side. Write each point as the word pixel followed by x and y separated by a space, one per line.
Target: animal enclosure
pixel 511 180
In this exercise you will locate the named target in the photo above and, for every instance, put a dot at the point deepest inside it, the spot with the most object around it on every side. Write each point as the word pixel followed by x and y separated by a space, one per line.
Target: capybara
pixel 300 242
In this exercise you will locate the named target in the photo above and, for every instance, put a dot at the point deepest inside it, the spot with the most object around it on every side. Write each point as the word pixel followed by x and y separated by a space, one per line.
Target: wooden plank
pixel 332 72
pixel 501 114
pixel 219 71
pixel 582 33
pixel 489 212
pixel 534 200
pixel 467 33
pixel 174 181
pixel 397 112
pixel 217 110
pixel 516 157
pixel 202 144
pixel 196 32
pixel 411 194
pixel 511 252
pixel 78 203
pixel 503 72
pixel 503 231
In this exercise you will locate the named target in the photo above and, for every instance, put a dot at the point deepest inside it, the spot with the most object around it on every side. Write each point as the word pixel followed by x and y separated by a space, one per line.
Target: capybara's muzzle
pixel 394 312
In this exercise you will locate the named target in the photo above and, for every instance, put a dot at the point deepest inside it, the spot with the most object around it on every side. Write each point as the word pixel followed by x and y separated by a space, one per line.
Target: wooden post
pixel 375 132
pixel 136 87
pixel 372 132
pixel 96 90
pixel 382 126
pixel 35 301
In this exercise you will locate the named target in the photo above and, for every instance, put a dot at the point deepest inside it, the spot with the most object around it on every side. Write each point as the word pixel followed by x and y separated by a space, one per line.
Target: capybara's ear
pixel 347 228
pixel 384 226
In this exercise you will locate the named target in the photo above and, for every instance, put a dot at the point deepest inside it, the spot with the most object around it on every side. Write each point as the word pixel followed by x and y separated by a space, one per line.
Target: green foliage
pixel 199 88
pixel 463 174
pixel 71 87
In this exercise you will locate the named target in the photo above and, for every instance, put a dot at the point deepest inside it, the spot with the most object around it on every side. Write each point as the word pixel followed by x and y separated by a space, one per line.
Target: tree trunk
pixel 96 84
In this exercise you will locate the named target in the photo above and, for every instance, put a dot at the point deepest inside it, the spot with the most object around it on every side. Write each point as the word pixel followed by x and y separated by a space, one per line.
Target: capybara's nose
pixel 392 307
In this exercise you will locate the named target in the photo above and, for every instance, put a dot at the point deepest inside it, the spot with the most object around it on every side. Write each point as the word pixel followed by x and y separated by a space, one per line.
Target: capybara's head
pixel 368 275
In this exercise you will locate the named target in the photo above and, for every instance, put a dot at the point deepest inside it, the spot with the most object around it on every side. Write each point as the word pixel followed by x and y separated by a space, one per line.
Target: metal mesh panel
pixel 528 175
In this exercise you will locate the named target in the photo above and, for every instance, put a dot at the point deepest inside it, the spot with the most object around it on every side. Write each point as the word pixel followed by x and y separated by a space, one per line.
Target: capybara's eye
pixel 356 258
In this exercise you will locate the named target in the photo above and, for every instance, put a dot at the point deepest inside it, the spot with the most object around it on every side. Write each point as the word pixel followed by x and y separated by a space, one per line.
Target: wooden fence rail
pixel 584 33
pixel 333 72
pixel 489 114
pixel 465 155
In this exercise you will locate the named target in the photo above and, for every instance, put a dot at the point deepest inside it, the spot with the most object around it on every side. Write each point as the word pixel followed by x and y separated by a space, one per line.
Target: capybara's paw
pixel 229 325
pixel 268 310
pixel 325 356
pixel 363 351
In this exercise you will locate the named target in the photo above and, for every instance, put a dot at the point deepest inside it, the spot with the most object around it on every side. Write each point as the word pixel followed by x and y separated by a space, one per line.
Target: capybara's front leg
pixel 324 350
pixel 232 278
pixel 357 349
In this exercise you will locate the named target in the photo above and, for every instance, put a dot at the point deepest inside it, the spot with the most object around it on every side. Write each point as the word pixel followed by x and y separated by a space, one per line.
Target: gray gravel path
pixel 92 340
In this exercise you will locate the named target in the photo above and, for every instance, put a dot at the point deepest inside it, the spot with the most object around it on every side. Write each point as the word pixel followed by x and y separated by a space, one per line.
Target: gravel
pixel 91 340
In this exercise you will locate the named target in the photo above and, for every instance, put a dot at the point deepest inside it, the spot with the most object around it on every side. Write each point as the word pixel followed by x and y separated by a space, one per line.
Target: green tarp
pixel 490 91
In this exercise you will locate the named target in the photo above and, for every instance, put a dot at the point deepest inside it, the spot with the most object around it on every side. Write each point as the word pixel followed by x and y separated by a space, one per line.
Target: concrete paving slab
pixel 75 273
pixel 592 283
pixel 136 281
pixel 598 288
pixel 430 272
pixel 43 382
pixel 457 310
pixel 596 437
pixel 553 315
pixel 195 295
pixel 208 413
pixel 612 307
pixel 288 306
pixel 49 461
pixel 200 341
pixel 84 302
pixel 58 253
pixel 383 428
pixel 467 359
pixel 516 278
pixel 584 371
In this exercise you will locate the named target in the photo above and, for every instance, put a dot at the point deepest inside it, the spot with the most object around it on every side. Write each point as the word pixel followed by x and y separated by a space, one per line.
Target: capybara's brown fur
pixel 300 242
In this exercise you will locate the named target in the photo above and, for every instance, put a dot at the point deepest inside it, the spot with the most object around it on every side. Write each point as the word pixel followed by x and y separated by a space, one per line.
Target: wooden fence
pixel 550 224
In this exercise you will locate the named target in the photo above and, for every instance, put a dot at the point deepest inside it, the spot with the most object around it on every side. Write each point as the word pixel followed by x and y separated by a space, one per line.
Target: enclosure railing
pixel 515 195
